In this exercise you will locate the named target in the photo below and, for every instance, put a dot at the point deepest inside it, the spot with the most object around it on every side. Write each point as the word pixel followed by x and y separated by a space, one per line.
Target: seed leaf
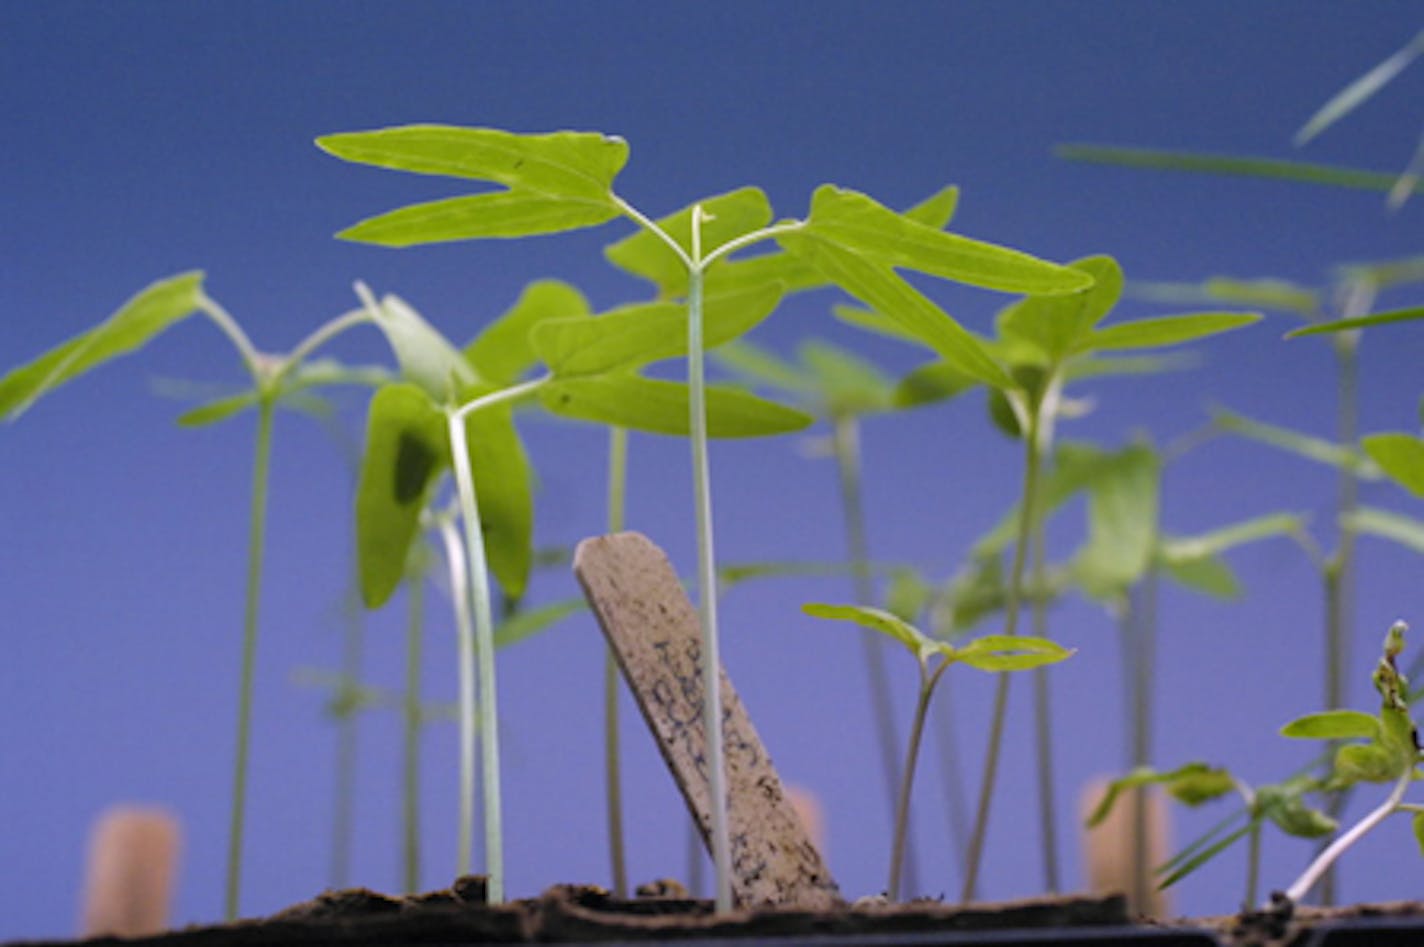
pixel 406 448
pixel 1010 653
pixel 661 407
pixel 1220 540
pixel 636 335
pixel 528 622
pixel 424 355
pixel 876 619
pixel 1122 522
pixel 502 352
pixel 1333 725
pixel 1400 456
pixel 1386 524
pixel 1362 322
pixel 1209 575
pixel 1166 330
pixel 879 287
pixel 859 224
pixel 505 488
pixel 219 409
pixel 933 381
pixel 1056 327
pixel 727 216
pixel 1302 445
pixel 144 316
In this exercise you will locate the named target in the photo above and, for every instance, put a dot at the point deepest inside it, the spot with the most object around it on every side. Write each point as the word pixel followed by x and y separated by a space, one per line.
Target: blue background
pixel 145 139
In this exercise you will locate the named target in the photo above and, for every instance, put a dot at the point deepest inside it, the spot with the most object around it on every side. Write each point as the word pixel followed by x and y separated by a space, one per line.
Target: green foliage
pixel 1191 784
pixel 503 351
pixel 1400 456
pixel 660 407
pixel 726 217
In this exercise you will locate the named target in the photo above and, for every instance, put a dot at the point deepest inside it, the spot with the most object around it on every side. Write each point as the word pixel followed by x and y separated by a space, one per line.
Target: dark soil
pixel 586 914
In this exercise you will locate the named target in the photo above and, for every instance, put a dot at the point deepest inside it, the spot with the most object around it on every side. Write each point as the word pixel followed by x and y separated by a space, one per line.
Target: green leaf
pixel 1010 653
pixel 1416 824
pixel 406 448
pixel 636 335
pixel 1302 445
pixel 144 316
pixel 1085 367
pixel 1386 524
pixel 849 385
pixel 217 410
pixel 1298 171
pixel 1400 456
pixel 1292 815
pixel 857 223
pixel 760 366
pixel 880 288
pixel 937 210
pixel 1056 327
pixel 1365 762
pixel 1209 575
pixel 528 622
pixel 1166 330
pixel 1382 274
pixel 1333 725
pixel 477 216
pixel 504 485
pixel 872 321
pixel 1186 866
pixel 1214 542
pixel 502 352
pixel 661 407
pixel 1362 322
pixel 727 217
pixel 907 594
pixel 876 619
pixel 1122 522
pixel 933 381
pixel 426 358
pixel 1197 783
pixel 1357 92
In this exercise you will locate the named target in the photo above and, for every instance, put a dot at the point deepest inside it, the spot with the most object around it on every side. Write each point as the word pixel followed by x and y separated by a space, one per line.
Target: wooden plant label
pixel 655 636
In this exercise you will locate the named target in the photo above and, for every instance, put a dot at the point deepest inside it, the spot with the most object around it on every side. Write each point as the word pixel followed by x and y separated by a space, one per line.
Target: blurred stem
pixel 414 646
pixel 1253 864
pixel 1028 516
pixel 257 525
pixel 1139 645
pixel 612 766
pixel 1043 723
pixel 465 668
pixel 343 810
pixel 912 754
pixel 845 441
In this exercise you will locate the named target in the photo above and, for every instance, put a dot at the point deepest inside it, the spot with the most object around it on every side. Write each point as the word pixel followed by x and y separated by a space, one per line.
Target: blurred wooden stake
pixel 808 808
pixel 1113 850
pixel 133 855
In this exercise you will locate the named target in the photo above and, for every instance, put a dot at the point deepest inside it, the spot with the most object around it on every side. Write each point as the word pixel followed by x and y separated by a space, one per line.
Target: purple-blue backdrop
pixel 145 139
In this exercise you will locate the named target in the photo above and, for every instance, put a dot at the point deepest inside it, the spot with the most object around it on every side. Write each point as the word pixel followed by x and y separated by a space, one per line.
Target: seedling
pixel 991 653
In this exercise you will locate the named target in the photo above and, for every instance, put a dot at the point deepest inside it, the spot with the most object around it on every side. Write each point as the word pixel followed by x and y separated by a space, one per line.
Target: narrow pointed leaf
pixel 937 210
pixel 406 448
pixel 729 216
pixel 1386 524
pixel 1363 322
pixel 760 366
pixel 505 489
pixel 1109 366
pixel 569 164
pixel 217 410
pixel 529 622
pixel 1166 330
pixel 426 358
pixel 876 619
pixel 1229 537
pixel 1333 725
pixel 1298 171
pixel 477 216
pixel 859 224
pixel 880 288
pixel 1010 653
pixel 502 352
pixel 1203 856
pixel 661 407
pixel 1400 456
pixel 1360 90
pixel 1057 326
pixel 1302 445
pixel 1382 274
pixel 144 316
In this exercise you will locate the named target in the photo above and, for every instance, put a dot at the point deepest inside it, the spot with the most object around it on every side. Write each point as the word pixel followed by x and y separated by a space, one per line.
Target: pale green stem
pixel 1043 723
pixel 323 334
pixel 484 644
pixel 252 360
pixel 612 766
pixel 465 664
pixel 912 755
pixel 257 524
pixel 1343 842
pixel 747 239
pixel 414 635
pixel 1253 863
pixel 845 441
pixel 343 811
pixel 1028 514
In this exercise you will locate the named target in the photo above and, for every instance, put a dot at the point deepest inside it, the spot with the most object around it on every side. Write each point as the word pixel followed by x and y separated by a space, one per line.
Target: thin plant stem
pixel 1139 649
pixel 343 811
pixel 707 577
pixel 1043 724
pixel 845 442
pixel 465 661
pixel 1253 863
pixel 612 765
pixel 257 525
pixel 323 334
pixel 1343 841
pixel 949 777
pixel 912 753
pixel 252 360
pixel 1028 514
pixel 484 647
pixel 414 719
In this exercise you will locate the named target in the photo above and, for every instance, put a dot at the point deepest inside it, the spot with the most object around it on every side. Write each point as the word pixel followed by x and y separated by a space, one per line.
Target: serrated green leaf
pixel 636 335
pixel 1333 725
pixel 145 315
pixel 1122 522
pixel 1056 327
pixel 880 288
pixel 1010 653
pixel 876 619
pixel 504 486
pixel 859 224
pixel 406 448
pixel 931 382
pixel 1165 330
pixel 1302 445
pixel 727 217
pixel 528 622
pixel 1298 171
pixel 1386 524
pixel 502 352
pixel 1362 322
pixel 661 407
pixel 1400 456
pixel 425 357
pixel 1360 90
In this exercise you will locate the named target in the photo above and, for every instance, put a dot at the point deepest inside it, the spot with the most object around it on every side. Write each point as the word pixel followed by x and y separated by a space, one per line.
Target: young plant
pixel 275 379
pixel 564 181
pixel 996 653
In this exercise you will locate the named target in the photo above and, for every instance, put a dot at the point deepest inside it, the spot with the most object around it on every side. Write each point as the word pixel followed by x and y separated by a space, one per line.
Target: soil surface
pixel 663 912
